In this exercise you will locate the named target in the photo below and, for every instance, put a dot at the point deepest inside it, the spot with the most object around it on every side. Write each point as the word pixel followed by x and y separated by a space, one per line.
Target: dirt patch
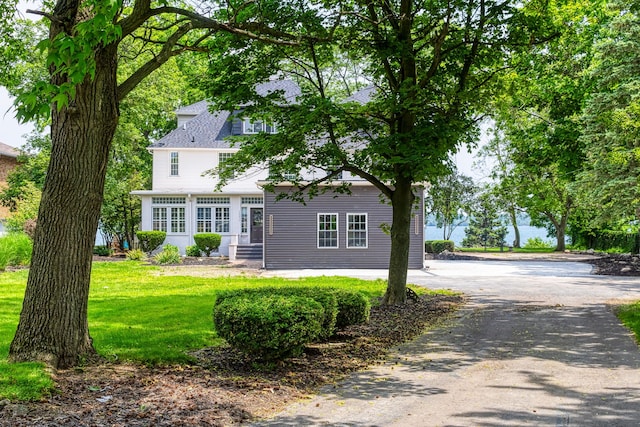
pixel 617 265
pixel 223 386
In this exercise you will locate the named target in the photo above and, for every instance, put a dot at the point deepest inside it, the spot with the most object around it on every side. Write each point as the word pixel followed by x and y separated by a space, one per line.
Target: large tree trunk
pixel 516 230
pixel 402 206
pixel 561 229
pixel 53 324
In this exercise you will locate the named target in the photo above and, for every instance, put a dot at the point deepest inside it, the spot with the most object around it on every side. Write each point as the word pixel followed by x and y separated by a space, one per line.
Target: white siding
pixel 192 164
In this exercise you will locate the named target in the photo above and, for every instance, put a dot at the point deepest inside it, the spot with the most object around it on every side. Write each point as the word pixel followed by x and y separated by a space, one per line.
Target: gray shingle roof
pixel 210 130
pixel 206 130
pixel 193 109
pixel 291 89
pixel 363 95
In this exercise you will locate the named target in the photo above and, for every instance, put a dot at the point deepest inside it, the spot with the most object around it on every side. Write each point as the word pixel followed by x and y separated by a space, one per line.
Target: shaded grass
pixel 629 315
pixel 138 314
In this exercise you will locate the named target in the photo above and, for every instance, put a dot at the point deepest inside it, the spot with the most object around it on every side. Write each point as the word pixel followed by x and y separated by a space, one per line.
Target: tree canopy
pixel 432 65
pixel 428 70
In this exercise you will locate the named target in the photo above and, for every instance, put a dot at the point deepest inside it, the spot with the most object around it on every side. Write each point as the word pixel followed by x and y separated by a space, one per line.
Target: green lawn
pixel 138 314
pixel 629 314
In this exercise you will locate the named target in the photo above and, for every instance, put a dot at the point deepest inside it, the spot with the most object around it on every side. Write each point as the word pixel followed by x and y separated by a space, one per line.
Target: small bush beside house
pixel 438 246
pixel 207 242
pixel 136 255
pixel 170 254
pixel 193 250
pixel 151 240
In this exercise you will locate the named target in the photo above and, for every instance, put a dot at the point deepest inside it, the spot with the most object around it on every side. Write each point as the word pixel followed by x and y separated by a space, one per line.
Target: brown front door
pixel 256 225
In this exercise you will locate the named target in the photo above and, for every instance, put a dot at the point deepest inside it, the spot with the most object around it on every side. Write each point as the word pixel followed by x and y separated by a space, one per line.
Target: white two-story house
pixel 329 231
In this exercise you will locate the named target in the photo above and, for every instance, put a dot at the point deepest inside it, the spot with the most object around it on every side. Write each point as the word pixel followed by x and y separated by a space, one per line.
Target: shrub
pixel 151 240
pixel 193 250
pixel 15 249
pixel 437 246
pixel 23 217
pixel 271 327
pixel 537 243
pixel 428 246
pixel 102 250
pixel 324 296
pixel 353 308
pixel 136 255
pixel 616 250
pixel 170 254
pixel 207 242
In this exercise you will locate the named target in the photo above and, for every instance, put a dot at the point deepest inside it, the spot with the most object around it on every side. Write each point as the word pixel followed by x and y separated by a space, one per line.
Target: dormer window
pixel 253 127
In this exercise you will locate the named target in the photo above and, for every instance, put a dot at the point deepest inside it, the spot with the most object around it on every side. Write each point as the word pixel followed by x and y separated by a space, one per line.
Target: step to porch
pixel 249 252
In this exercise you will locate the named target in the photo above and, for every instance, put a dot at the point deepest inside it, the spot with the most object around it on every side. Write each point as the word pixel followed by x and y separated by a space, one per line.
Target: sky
pixel 11 132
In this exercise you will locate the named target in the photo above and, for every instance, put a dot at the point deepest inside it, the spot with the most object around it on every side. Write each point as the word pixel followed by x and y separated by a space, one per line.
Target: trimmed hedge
pixel 193 250
pixel 272 326
pixel 151 240
pixel 338 308
pixel 207 242
pixel 353 308
pixel 437 246
pixel 326 299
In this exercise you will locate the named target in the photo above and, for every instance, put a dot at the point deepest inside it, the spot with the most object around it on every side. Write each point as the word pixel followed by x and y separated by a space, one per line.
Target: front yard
pixel 163 363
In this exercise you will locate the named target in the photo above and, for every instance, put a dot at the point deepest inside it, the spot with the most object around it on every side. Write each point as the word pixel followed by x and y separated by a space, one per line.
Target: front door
pixel 256 225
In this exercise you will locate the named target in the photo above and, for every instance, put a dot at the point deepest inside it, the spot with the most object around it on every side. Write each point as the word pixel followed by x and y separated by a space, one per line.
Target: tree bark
pixel 516 230
pixel 402 206
pixel 561 229
pixel 53 324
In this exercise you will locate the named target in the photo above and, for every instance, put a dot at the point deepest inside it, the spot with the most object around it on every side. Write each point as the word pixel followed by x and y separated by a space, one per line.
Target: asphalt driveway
pixel 536 345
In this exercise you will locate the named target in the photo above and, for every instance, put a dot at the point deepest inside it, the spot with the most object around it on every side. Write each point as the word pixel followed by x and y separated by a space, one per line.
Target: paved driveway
pixel 536 345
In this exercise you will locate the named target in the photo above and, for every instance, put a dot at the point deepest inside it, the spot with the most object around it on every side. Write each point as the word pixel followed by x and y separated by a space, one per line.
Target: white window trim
pixel 212 220
pixel 366 231
pixel 171 164
pixel 337 246
pixel 249 129
pixel 168 218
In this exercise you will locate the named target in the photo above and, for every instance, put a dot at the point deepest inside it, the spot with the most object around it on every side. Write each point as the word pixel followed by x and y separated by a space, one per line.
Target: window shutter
pixel 236 126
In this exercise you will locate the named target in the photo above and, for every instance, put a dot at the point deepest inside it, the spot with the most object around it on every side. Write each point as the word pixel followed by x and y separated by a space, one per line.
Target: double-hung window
pixel 223 157
pixel 168 214
pixel 213 218
pixel 327 230
pixel 160 219
pixel 203 220
pixel 357 230
pixel 174 163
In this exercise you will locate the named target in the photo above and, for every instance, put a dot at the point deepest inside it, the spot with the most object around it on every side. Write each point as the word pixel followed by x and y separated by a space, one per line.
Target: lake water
pixel 526 232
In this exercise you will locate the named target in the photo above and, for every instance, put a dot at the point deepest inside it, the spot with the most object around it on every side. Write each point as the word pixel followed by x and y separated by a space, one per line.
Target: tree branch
pixel 153 64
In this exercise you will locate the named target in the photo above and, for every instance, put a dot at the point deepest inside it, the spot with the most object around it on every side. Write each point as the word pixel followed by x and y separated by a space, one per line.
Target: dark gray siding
pixel 290 232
